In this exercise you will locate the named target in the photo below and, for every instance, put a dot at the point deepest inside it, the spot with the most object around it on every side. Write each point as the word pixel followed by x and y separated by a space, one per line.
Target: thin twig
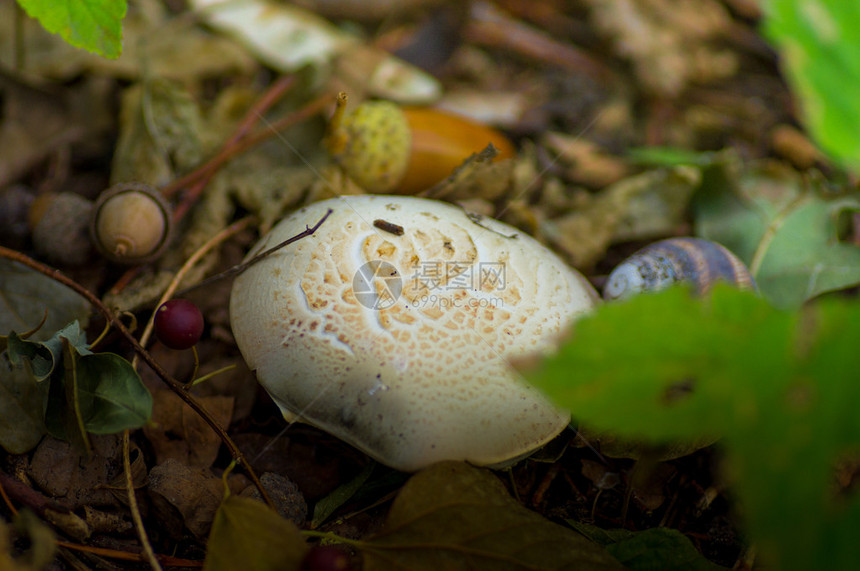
pixel 238 269
pixel 128 556
pixel 38 503
pixel 240 141
pixel 172 383
pixel 240 146
pixel 207 247
pixel 135 511
pixel 271 96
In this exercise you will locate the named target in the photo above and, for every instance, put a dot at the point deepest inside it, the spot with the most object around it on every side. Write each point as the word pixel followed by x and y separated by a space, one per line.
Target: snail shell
pixel 689 260
pixel 131 223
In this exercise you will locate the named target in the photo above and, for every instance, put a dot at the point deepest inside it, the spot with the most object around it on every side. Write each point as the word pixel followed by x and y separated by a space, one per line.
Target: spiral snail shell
pixel 689 260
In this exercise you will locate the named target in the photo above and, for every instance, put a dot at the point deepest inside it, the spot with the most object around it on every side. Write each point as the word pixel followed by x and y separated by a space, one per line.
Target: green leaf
pixel 69 415
pixel 249 536
pixel 25 296
pixel 779 387
pixel 656 548
pixel 454 516
pixel 115 397
pixel 327 505
pixel 24 395
pixel 102 393
pixel 784 228
pixel 98 393
pixel 44 357
pixel 669 157
pixel 94 25
pixel 820 54
pixel 22 408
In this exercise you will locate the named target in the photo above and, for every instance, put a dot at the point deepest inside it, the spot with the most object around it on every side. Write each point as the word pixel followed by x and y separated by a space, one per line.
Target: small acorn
pixel 58 221
pixel 386 148
pixel 131 223
pixel 698 262
pixel 15 203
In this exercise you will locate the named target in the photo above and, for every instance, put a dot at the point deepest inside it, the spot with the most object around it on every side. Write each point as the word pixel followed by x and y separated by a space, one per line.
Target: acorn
pixel 131 223
pixel 58 222
pixel 15 203
pixel 386 148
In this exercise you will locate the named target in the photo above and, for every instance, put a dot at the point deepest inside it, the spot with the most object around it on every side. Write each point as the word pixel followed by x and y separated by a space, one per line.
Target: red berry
pixel 326 558
pixel 178 324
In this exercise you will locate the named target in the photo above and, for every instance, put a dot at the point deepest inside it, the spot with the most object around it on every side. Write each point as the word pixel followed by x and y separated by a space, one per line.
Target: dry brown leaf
pixel 671 43
pixel 184 496
pixel 177 432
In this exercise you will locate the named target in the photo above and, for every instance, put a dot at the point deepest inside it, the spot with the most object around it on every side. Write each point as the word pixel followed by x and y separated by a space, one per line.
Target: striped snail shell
pixel 690 260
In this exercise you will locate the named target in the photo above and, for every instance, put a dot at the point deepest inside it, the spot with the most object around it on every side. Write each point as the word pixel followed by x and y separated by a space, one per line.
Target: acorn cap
pixel 393 325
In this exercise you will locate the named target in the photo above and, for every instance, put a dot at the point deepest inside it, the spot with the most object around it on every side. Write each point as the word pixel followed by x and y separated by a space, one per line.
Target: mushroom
pixel 392 328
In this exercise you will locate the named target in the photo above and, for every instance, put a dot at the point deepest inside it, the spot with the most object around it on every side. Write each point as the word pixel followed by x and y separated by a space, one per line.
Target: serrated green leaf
pixel 248 535
pixel 820 54
pixel 779 387
pixel 25 296
pixel 656 548
pixel 454 516
pixel 94 25
pixel 783 227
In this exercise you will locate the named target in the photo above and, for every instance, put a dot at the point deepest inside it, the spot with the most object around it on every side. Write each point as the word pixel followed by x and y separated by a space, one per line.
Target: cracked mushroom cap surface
pixel 392 327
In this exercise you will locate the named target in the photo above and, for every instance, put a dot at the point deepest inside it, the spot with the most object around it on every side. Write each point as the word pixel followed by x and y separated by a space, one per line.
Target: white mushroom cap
pixel 393 325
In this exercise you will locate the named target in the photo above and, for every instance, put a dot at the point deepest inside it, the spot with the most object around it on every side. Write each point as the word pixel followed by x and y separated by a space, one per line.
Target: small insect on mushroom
pixel 399 342
pixel 387 148
pixel 698 262
pixel 389 227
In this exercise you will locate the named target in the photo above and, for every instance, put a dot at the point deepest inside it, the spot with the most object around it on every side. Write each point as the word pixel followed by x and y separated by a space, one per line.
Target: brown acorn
pixel 58 221
pixel 131 223
pixel 386 148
